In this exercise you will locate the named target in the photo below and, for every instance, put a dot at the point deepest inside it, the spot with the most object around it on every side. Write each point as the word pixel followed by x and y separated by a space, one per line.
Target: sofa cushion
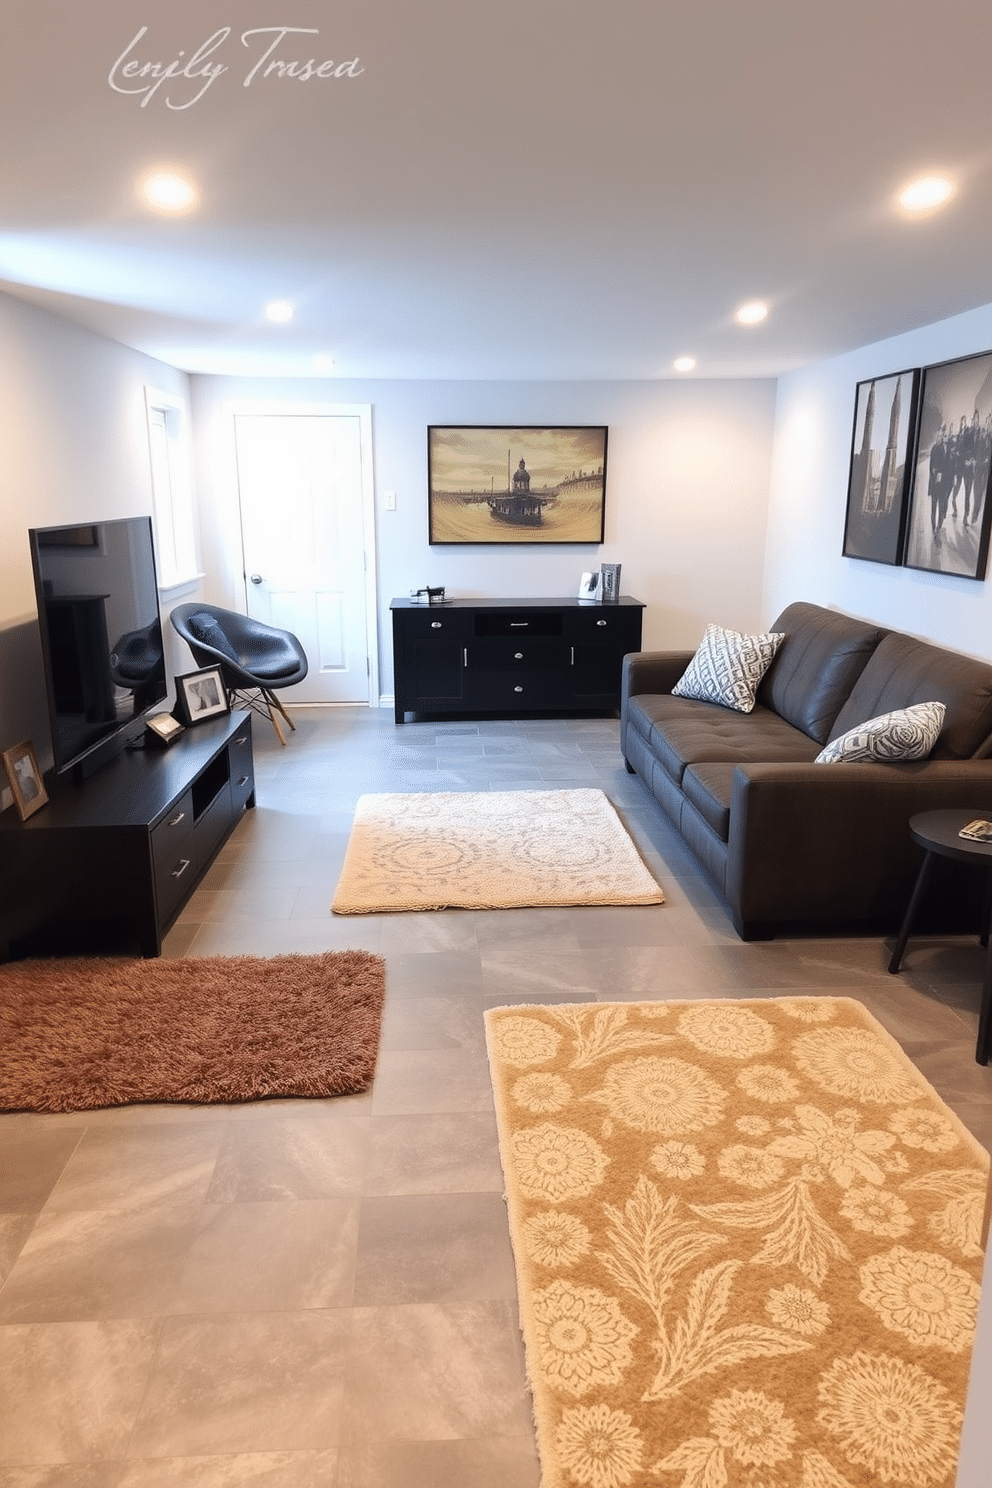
pixel 709 788
pixel 681 732
pixel 903 671
pixel 727 668
pixel 906 734
pixel 817 665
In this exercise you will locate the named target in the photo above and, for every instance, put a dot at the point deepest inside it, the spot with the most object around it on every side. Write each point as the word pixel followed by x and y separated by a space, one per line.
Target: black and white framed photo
pixel 949 507
pixel 516 484
pixel 885 410
pixel 201 695
pixel 27 785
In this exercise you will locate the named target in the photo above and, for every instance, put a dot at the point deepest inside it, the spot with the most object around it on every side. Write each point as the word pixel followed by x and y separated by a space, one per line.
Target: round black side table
pixel 937 832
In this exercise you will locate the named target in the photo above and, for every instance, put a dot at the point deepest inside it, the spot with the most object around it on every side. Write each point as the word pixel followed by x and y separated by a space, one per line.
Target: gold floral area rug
pixel 747 1239
pixel 490 850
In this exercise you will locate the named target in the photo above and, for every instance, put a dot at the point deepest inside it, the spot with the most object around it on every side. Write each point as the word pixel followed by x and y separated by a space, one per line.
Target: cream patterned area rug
pixel 490 850
pixel 748 1244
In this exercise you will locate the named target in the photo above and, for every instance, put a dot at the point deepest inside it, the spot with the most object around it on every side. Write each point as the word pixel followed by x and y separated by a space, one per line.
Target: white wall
pixel 73 448
pixel 688 471
pixel 808 497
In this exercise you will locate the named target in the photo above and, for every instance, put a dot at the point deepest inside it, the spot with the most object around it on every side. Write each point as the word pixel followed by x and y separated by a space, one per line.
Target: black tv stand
pixel 110 861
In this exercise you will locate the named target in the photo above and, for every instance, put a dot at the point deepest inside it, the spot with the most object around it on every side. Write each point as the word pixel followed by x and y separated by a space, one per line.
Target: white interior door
pixel 302 494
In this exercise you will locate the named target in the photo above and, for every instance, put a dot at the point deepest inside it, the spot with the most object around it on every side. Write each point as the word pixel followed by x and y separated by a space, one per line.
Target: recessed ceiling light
pixel 752 313
pixel 926 194
pixel 684 364
pixel 167 192
pixel 279 310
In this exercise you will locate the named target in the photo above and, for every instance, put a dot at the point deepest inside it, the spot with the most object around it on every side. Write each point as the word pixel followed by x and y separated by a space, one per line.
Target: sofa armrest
pixel 652 671
pixel 821 842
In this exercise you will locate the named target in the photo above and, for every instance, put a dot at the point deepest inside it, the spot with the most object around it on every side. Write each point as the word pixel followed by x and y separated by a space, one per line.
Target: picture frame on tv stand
pixel 201 695
pixel 27 785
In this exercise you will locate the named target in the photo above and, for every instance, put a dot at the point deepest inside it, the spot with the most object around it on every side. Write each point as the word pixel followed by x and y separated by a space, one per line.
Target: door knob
pixel 256 578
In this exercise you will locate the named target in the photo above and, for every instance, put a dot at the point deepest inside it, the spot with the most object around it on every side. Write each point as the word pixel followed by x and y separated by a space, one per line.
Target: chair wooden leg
pixel 274 719
pixel 274 702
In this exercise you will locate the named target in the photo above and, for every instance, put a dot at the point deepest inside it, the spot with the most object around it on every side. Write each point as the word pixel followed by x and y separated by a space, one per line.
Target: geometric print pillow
pixel 906 734
pixel 727 668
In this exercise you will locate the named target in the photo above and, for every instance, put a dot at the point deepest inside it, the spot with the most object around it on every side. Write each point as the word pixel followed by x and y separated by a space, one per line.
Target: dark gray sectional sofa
pixel 787 841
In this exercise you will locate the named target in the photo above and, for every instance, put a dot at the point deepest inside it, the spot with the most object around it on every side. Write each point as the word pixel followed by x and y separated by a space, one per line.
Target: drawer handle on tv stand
pixel 177 819
pixel 243 781
pixel 183 865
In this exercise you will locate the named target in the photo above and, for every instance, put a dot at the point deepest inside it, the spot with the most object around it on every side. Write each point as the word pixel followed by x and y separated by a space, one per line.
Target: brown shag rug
pixel 81 1033
pixel 748 1241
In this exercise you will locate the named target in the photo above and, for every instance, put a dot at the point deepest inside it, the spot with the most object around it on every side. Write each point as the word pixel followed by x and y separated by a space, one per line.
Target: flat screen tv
pixel 101 635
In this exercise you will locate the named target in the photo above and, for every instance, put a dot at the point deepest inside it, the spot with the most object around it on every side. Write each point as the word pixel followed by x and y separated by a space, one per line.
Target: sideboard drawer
pixel 435 622
pixel 606 623
pixel 518 623
pixel 506 692
pixel 497 655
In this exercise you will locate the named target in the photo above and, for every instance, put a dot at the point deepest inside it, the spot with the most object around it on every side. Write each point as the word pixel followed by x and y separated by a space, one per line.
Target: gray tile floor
pixel 320 1294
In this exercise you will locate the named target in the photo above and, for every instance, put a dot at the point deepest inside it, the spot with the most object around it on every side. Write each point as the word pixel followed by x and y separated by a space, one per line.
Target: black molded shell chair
pixel 254 659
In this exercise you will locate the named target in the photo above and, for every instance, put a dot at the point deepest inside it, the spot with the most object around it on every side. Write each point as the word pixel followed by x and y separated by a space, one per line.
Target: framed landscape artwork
pixel 949 507
pixel 516 483
pixel 884 423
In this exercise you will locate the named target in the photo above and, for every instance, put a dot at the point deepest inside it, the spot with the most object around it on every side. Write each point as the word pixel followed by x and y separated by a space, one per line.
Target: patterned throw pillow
pixel 727 668
pixel 906 734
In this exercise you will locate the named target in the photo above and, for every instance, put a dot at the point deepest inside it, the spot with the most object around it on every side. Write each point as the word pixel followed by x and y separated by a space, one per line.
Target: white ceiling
pixel 507 188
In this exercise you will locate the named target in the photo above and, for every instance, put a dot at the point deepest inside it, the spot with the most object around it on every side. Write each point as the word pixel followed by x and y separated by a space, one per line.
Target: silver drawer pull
pixel 465 655
pixel 177 819
pixel 436 624
pixel 518 689
pixel 516 624
pixel 600 622
pixel 243 739
pixel 243 781
pixel 518 656
pixel 572 649
pixel 183 865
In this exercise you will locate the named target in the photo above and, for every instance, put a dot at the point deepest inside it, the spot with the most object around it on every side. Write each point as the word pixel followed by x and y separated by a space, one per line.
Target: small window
pixel 172 490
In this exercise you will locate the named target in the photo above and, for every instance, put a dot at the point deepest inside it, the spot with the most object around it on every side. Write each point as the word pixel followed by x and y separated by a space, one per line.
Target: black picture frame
pixel 882 442
pixel 516 483
pixel 949 506
pixel 201 695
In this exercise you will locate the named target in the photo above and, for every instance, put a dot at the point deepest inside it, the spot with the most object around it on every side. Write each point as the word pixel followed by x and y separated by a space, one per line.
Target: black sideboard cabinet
pixel 114 858
pixel 511 656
